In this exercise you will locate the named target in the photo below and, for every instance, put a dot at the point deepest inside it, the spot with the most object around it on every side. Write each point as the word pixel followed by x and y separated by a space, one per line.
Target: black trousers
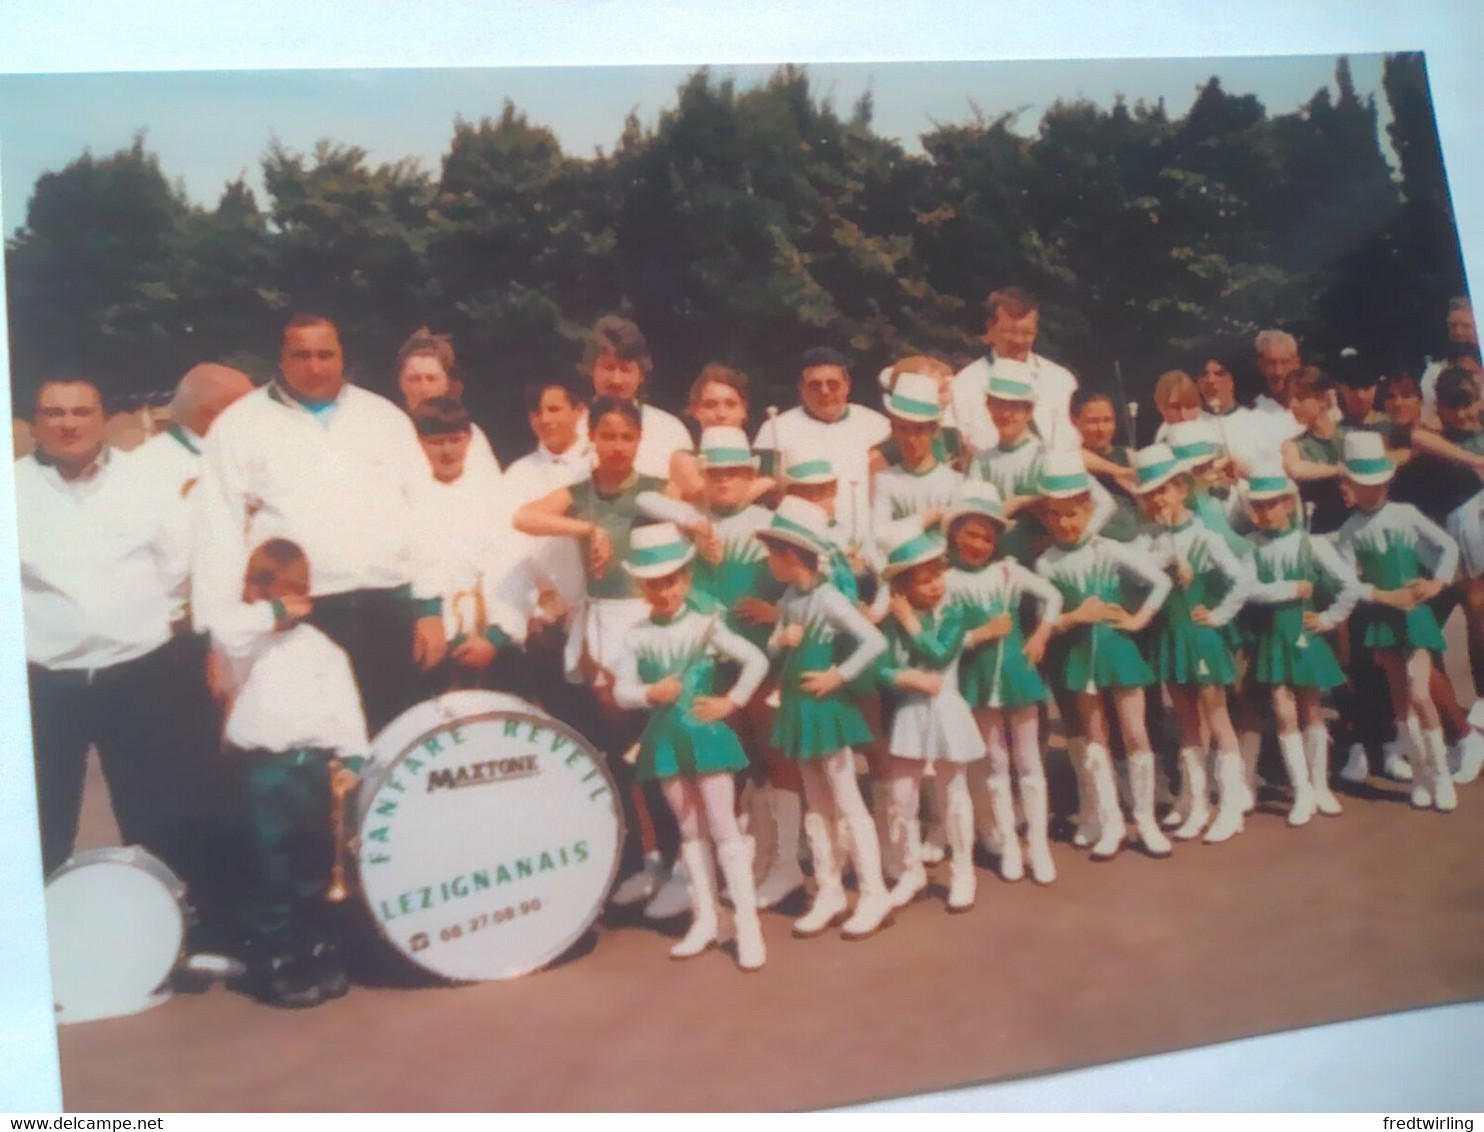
pixel 374 627
pixel 157 732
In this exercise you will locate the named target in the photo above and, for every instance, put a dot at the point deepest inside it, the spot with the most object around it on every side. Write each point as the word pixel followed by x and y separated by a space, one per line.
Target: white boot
pixel 905 831
pixel 784 875
pixel 984 825
pixel 873 904
pixel 962 883
pixel 1297 766
pixel 1086 830
pixel 1444 797
pixel 1141 786
pixel 1180 809
pixel 1316 751
pixel 696 855
pixel 1111 830
pixel 1250 744
pixel 1357 768
pixel 1418 768
pixel 1395 764
pixel 1194 790
pixel 1002 803
pixel 1229 815
pixel 1038 847
pixel 639 887
pixel 933 844
pixel 735 859
pixel 1470 756
pixel 829 893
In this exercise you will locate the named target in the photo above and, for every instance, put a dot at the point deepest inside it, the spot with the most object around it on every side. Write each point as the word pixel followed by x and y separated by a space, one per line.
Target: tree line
pixel 743 226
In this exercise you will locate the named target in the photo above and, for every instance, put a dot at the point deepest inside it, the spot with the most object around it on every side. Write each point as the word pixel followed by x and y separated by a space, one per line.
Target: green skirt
pixel 1285 654
pixel 1186 653
pixel 1000 667
pixel 1383 628
pixel 809 727
pixel 677 745
pixel 1099 656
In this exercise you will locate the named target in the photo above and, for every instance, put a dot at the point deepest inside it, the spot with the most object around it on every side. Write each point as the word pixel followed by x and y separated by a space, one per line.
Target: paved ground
pixel 1377 910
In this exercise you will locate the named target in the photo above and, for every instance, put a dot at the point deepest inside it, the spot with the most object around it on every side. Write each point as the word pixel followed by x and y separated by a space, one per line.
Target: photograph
pixel 739 586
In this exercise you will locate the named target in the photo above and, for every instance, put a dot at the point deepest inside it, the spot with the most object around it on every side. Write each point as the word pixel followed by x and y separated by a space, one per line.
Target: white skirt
pixel 941 727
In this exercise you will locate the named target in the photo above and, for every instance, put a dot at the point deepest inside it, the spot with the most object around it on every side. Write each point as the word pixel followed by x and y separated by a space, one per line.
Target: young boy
pixel 295 723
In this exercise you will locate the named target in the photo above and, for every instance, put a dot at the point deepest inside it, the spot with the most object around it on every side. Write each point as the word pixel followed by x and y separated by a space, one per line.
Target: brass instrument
pixel 471 618
pixel 342 785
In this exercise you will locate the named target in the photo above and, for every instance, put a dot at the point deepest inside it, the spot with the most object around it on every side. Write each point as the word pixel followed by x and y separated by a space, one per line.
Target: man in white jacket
pixel 334 468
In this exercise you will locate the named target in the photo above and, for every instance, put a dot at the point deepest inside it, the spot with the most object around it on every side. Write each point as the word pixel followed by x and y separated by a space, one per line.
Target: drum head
pixel 489 836
pixel 115 928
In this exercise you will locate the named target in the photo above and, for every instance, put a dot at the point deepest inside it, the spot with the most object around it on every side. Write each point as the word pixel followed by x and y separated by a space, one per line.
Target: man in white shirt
pixel 1463 338
pixel 1269 423
pixel 617 361
pixel 333 468
pixel 96 555
pixel 1010 330
pixel 827 423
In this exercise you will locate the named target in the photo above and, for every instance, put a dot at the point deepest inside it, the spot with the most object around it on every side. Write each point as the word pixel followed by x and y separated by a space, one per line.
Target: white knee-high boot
pixel 1250 744
pixel 1002 803
pixel 1231 800
pixel 1316 750
pixel 1111 829
pixel 873 904
pixel 1037 817
pixel 984 824
pixel 1086 829
pixel 1297 766
pixel 1141 785
pixel 703 900
pixel 959 820
pixel 829 891
pixel 1410 734
pixel 1194 793
pixel 784 875
pixel 904 831
pixel 735 859
pixel 1444 797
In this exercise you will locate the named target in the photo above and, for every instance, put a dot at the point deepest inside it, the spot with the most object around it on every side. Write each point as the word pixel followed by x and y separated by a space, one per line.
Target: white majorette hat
pixel 800 524
pixel 1268 482
pixel 656 550
pixel 811 470
pixel 1010 380
pixel 1155 466
pixel 914 398
pixel 1063 475
pixel 725 447
pixel 1366 461
pixel 907 545
pixel 976 498
pixel 1194 442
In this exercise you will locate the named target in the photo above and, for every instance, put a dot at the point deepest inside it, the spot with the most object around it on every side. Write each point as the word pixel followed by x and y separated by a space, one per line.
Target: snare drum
pixel 488 835
pixel 116 924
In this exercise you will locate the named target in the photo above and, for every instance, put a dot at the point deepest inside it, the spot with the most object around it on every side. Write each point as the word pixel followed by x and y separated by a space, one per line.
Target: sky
pixel 208 127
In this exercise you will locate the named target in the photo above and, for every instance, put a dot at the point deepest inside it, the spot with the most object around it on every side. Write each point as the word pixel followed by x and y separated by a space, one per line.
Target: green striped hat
pixel 800 524
pixel 657 550
pixel 1155 466
pixel 908 545
pixel 1010 380
pixel 914 397
pixel 725 447
pixel 1194 442
pixel 1064 475
pixel 811 471
pixel 1366 461
pixel 1268 483
pixel 976 498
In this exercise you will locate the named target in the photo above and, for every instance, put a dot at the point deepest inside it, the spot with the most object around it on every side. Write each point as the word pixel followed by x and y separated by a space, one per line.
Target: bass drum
pixel 488 835
pixel 115 920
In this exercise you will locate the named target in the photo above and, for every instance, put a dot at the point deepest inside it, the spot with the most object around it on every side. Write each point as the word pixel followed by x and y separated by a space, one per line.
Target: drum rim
pixel 372 783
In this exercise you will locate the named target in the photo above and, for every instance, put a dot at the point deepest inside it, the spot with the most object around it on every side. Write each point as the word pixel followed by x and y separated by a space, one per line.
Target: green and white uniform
pixel 1185 653
pixel 922 726
pixel 815 727
pixel 1015 470
pixel 688 645
pixel 1089 658
pixel 1283 651
pixel 996 674
pixel 899 494
pixel 1384 548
